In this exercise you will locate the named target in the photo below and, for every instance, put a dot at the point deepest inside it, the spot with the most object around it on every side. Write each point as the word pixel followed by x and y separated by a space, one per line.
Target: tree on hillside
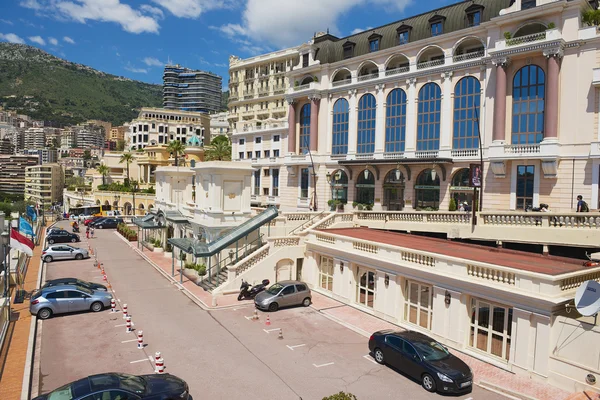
pixel 177 149
pixel 219 149
pixel 126 158
pixel 104 171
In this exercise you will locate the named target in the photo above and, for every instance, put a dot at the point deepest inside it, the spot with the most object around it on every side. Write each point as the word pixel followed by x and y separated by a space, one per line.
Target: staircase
pixel 211 285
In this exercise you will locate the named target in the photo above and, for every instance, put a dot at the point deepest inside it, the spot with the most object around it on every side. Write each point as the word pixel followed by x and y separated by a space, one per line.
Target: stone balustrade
pixel 249 261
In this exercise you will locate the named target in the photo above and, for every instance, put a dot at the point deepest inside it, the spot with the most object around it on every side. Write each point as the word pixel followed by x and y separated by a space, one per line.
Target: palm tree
pixel 177 148
pixel 218 151
pixel 103 170
pixel 126 158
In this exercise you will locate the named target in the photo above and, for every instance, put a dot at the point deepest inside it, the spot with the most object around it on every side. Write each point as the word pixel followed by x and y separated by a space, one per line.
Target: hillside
pixel 45 87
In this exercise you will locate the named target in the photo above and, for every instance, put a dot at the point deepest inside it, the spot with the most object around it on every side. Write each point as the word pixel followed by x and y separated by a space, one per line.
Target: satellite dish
pixel 587 298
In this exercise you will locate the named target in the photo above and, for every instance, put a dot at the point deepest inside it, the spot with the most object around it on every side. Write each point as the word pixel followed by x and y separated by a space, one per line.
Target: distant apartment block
pixel 12 172
pixel 191 90
pixel 35 138
pixel 45 156
pixel 118 133
pixel 219 125
pixel 6 146
pixel 44 183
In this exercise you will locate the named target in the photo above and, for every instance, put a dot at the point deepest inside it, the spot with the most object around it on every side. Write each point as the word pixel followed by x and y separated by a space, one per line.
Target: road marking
pixel 138 361
pixel 323 365
pixel 293 347
pixel 469 398
pixel 270 330
pixel 249 318
pixel 368 357
pixel 117 326
pixel 127 341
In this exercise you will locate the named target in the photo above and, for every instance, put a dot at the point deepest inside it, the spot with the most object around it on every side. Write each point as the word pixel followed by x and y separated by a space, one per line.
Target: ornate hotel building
pixel 393 117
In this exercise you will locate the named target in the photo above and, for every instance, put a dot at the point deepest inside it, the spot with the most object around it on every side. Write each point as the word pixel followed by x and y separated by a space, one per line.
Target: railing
pixel 334 218
pixel 522 149
pixel 301 87
pixel 465 153
pixel 427 154
pixel 233 97
pixel 278 109
pixel 263 91
pixel 396 71
pixel 278 89
pixel 337 157
pixel 576 281
pixel 252 260
pixel 448 217
pixel 307 223
pixel 341 83
pixel 395 155
pixel 368 77
pixel 534 37
pixel 417 258
pixel 285 241
pixel 366 247
pixel 469 56
pixel 491 274
pixel 432 63
pixel 368 156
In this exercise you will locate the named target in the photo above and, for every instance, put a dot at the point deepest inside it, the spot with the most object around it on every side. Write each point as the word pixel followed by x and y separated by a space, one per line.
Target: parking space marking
pixel 271 330
pixel 323 365
pixel 117 326
pixel 138 361
pixel 127 341
pixel 470 398
pixel 368 357
pixel 293 347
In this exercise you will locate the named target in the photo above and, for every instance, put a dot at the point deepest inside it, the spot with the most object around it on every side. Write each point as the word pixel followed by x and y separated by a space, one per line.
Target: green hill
pixel 48 88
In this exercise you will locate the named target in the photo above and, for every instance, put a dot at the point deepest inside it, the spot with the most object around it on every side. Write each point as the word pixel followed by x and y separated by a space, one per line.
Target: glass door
pixel 365 287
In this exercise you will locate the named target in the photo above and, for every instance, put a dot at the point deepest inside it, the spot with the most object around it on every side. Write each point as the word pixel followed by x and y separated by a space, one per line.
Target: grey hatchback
pixel 283 294
pixel 65 299
pixel 64 252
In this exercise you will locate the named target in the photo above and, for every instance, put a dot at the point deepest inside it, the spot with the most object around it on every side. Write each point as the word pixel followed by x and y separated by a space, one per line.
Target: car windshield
pixel 62 393
pixel 132 383
pixel 276 288
pixel 84 290
pixel 431 351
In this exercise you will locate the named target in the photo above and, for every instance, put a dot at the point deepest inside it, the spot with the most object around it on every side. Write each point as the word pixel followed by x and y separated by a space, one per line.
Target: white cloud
pixel 136 70
pixel 157 12
pixel 37 39
pixel 289 23
pixel 11 37
pixel 53 41
pixel 359 30
pixel 153 62
pixel 32 4
pixel 192 8
pixel 7 22
pixel 68 40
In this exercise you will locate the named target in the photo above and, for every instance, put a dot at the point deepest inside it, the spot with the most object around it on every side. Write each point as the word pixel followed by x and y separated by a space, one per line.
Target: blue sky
pixel 135 38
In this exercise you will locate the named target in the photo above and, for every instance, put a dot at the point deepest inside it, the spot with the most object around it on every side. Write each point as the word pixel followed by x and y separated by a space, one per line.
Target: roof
pixel 176 216
pixel 537 263
pixel 331 49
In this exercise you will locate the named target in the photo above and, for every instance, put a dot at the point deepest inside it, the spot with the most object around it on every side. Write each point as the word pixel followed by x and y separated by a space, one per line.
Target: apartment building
pixel 191 90
pixel 156 126
pixel 12 172
pixel 219 125
pixel 45 156
pixel 44 184
pixel 6 146
pixel 118 133
pixel 90 136
pixel 35 138
pixel 258 117
pixel 68 138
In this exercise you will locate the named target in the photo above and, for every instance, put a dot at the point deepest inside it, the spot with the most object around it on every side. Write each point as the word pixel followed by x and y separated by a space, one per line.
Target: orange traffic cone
pixel 268 321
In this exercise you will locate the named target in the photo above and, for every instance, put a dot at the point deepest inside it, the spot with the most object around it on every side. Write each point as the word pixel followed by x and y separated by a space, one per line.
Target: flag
pixel 25 227
pixel 21 243
pixel 31 213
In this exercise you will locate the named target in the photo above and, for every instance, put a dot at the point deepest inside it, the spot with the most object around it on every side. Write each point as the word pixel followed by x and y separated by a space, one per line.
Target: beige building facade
pixel 44 184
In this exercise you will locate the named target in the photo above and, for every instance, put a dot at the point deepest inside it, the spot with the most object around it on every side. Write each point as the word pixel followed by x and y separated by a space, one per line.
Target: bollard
pixel 125 311
pixel 268 323
pixel 280 333
pixel 140 340
pixel 255 316
pixel 104 277
pixel 159 363
pixel 113 305
pixel 128 325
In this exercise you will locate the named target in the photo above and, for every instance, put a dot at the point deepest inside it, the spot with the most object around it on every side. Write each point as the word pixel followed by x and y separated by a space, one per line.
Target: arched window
pixel 460 190
pixel 339 129
pixel 365 187
pixel 393 190
pixel 339 186
pixel 395 121
pixel 467 100
pixel 428 119
pixel 529 88
pixel 427 191
pixel 304 128
pixel 367 107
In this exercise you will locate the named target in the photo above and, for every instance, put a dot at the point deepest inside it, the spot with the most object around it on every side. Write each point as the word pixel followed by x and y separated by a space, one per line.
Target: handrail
pixel 307 222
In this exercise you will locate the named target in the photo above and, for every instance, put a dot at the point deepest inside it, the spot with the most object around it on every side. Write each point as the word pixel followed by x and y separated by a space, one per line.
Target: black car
pixel 122 386
pixel 423 359
pixel 62 237
pixel 75 281
pixel 107 223
pixel 94 222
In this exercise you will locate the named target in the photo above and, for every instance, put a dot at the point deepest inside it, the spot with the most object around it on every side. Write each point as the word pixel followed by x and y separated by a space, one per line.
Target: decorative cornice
pixel 447 75
pixel 314 97
pixel 501 61
pixel 290 100
pixel 352 92
pixel 525 49
pixel 557 52
pixel 412 81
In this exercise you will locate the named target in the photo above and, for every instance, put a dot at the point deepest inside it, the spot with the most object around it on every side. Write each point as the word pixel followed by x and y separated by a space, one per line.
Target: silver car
pixel 64 252
pixel 67 298
pixel 283 294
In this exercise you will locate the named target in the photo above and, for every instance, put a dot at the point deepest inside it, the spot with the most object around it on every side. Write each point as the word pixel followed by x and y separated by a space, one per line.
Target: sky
pixel 135 38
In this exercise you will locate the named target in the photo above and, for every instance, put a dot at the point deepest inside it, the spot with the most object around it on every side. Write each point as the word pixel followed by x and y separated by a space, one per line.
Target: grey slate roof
pixel 330 49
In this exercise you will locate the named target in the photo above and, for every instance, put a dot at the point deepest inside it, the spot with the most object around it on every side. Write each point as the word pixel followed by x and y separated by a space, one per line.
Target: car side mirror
pixel 72 250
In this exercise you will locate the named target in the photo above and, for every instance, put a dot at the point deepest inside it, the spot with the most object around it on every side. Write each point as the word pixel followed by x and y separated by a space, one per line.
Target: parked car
pixel 94 222
pixel 422 358
pixel 87 221
pixel 53 230
pixel 75 281
pixel 62 237
pixel 120 386
pixel 283 294
pixel 67 298
pixel 64 252
pixel 107 223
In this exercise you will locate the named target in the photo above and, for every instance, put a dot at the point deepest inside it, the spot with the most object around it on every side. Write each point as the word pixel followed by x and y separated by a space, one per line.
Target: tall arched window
pixel 304 128
pixel 395 121
pixel 427 191
pixel 339 129
pixel 365 187
pixel 428 120
pixel 367 107
pixel 467 100
pixel 529 88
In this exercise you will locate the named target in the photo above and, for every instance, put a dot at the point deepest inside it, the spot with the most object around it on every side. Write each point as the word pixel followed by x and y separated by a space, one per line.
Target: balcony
pixel 431 64
pixel 248 113
pixel 280 89
pixel 233 97
pixel 248 94
pixel 427 154
pixel 465 153
pixel 341 83
pixel 469 56
pixel 396 71
pixel 549 35
pixel 264 91
pixel 393 155
pixel 278 110
pixel 368 77
pixel 365 156
pixel 522 149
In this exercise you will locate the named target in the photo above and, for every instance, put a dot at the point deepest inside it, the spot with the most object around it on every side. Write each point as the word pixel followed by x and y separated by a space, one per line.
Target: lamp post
pixel 134 185
pixel 5 240
pixel 117 198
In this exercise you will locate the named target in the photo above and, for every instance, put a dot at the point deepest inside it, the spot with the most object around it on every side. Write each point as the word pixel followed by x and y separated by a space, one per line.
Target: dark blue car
pixel 423 359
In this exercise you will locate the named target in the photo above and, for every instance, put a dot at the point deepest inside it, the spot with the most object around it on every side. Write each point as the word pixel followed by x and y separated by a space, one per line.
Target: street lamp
pixel 5 240
pixel 117 198
pixel 134 186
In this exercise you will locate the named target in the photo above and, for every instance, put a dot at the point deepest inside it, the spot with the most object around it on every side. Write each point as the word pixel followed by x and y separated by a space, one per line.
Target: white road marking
pixel 138 361
pixel 323 365
pixel 117 326
pixel 368 357
pixel 127 341
pixel 249 318
pixel 293 347
pixel 270 330
pixel 469 398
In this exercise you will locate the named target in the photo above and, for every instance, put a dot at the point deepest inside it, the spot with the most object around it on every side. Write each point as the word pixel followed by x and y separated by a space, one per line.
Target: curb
pixel 509 394
pixel 344 324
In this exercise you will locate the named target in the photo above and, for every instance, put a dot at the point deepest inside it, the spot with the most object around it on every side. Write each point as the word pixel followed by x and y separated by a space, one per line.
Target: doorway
pixel 299 262
pixel 393 191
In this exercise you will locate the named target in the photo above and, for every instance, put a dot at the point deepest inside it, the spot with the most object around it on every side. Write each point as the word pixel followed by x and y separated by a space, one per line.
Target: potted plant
pixel 201 268
pixel 452 206
pixel 369 207
pixel 157 246
pixel 331 203
pixel 168 253
pixel 551 25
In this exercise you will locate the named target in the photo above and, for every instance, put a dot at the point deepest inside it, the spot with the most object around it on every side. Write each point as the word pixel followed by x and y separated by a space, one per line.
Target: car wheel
pixel 50 241
pixel 428 383
pixel 306 302
pixel 100 227
pixel 97 306
pixel 48 259
pixel 273 307
pixel 44 313
pixel 379 356
pixel 73 240
pixel 79 256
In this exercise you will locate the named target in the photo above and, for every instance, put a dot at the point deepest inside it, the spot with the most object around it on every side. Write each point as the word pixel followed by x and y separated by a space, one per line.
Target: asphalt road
pixel 221 354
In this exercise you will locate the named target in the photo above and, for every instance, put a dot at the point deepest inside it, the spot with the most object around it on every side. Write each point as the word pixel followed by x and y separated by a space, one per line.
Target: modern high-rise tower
pixel 191 90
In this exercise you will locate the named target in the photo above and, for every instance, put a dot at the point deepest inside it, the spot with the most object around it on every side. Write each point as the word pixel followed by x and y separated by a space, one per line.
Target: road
pixel 220 353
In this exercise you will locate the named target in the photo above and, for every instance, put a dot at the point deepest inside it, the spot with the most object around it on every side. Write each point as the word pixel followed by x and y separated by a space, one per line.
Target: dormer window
pixel 304 60
pixel 374 41
pixel 349 49
pixel 403 33
pixel 437 25
pixel 474 12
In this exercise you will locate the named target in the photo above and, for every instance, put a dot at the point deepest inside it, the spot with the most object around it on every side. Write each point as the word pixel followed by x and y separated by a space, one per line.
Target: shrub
pixel 551 25
pixel 369 207
pixel 201 268
pixel 354 204
pixel 591 17
pixel 507 35
pixel 360 206
pixel 168 248
pixel 341 396
pixel 452 206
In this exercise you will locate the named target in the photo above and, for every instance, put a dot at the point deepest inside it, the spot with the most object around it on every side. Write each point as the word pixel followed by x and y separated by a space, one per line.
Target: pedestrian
pixel 92 232
pixel 87 232
pixel 582 206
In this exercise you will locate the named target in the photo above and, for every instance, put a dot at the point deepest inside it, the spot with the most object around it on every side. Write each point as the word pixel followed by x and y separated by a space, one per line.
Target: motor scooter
pixel 248 292
pixel 75 229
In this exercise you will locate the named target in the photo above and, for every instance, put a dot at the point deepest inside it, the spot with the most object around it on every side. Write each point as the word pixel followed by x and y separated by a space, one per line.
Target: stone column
pixel 380 121
pixel 551 114
pixel 411 117
pixel 352 122
pixel 314 122
pixel 499 132
pixel 447 117
pixel 291 127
